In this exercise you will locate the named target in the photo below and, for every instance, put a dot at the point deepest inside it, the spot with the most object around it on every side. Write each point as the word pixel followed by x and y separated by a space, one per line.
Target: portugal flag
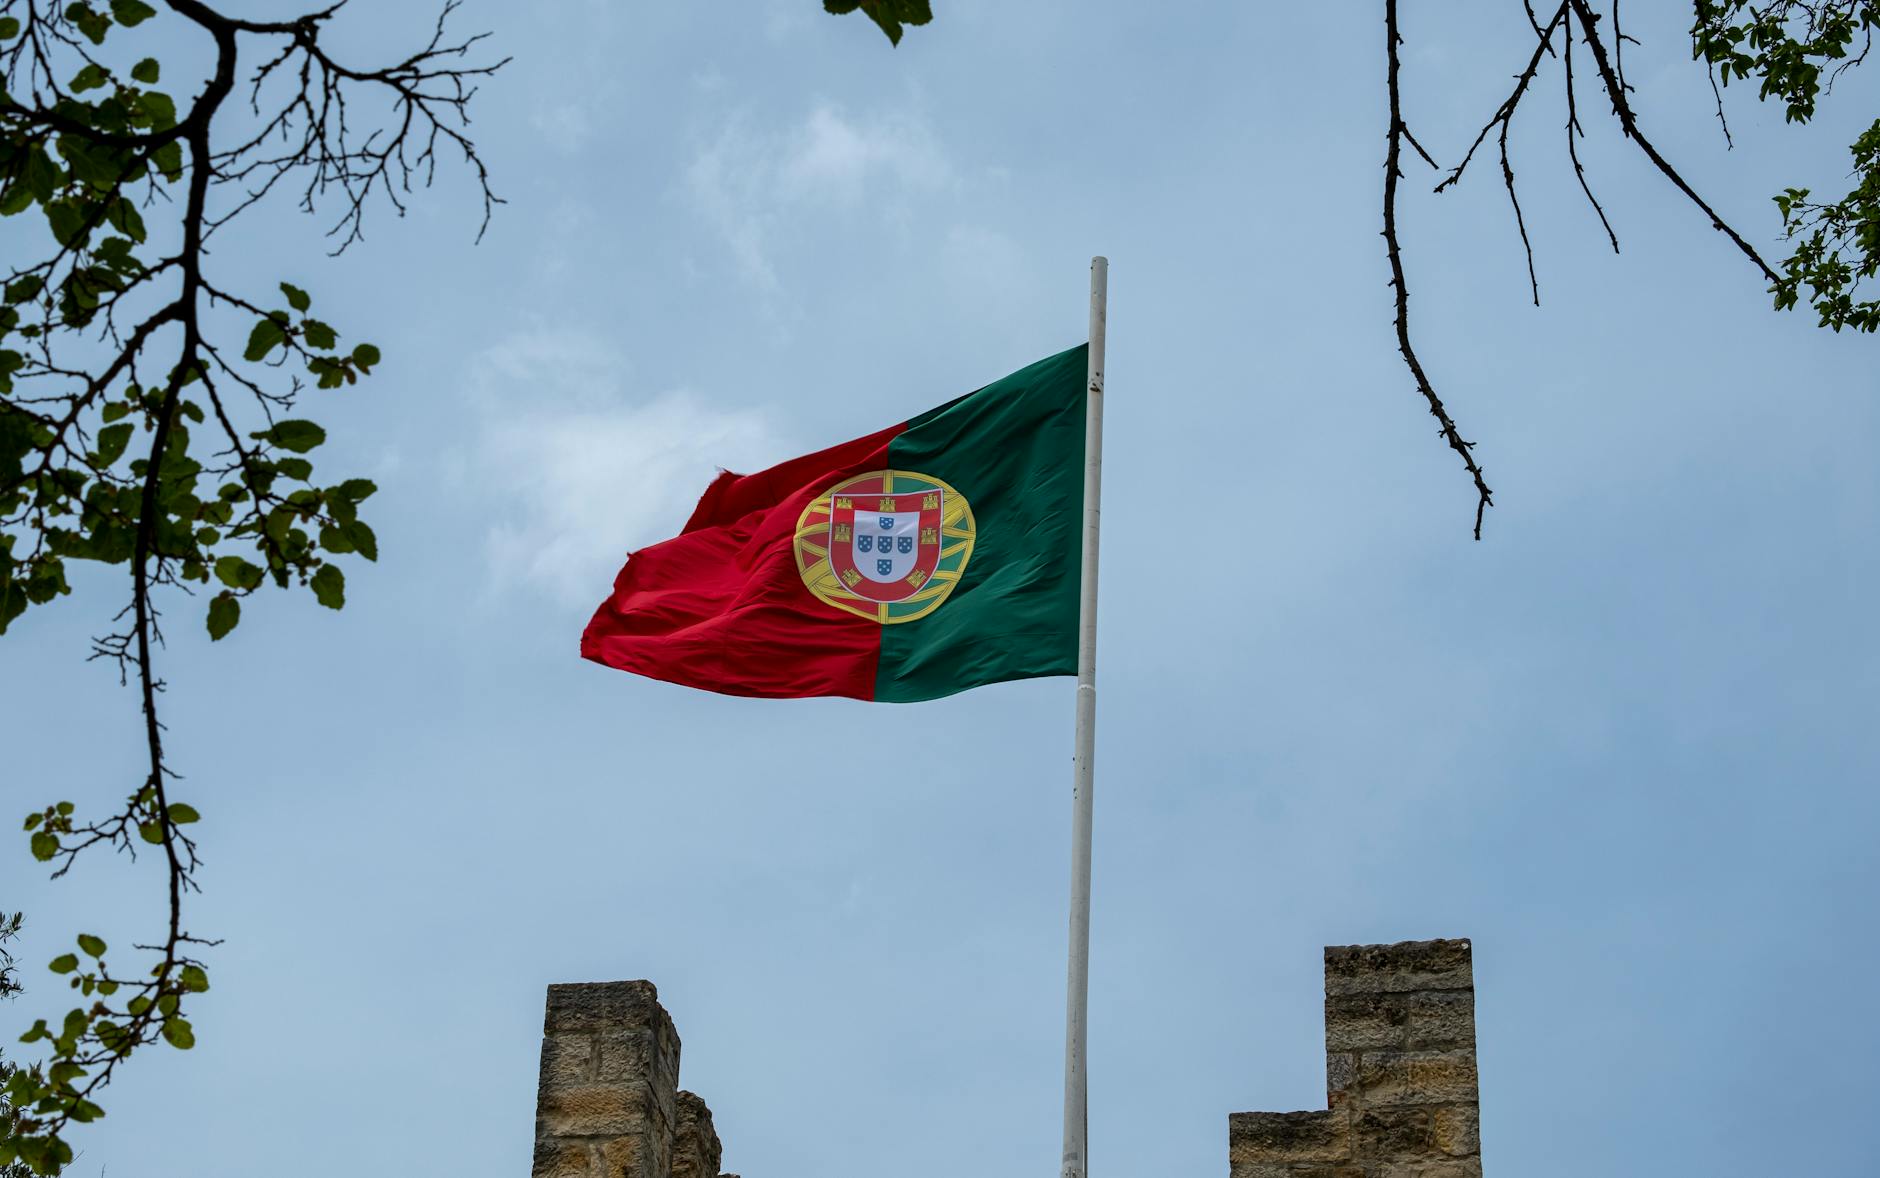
pixel 933 556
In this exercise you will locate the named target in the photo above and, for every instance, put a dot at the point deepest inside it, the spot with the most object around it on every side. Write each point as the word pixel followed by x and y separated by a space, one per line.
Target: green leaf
pixel 182 813
pixel 67 223
pixel 111 442
pixel 169 160
pixel 158 110
pixel 9 28
pixel 150 832
pixel 237 573
pixel 363 539
pixel 332 374
pixel 262 340
pixel 296 297
pixel 43 176
pixel 319 335
pixel 194 979
pixel 357 490
pixel 296 435
pixel 365 356
pixel 91 944
pixel 224 613
pixel 16 199
pixel 147 71
pixel 294 468
pixel 131 13
pixel 329 586
pixel 125 218
pixel 91 23
pixel 177 1033
pixel 90 78
pixel 64 963
pixel 334 540
pixel 45 846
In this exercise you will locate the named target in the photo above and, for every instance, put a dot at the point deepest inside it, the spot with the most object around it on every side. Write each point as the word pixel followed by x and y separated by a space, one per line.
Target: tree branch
pixel 1393 159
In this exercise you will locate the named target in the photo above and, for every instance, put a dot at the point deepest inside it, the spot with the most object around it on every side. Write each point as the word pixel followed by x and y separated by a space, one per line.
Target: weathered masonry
pixel 1400 1078
pixel 1399 1074
pixel 608 1103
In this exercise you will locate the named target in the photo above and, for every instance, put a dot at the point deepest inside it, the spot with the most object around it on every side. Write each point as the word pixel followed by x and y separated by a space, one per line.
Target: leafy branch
pixel 9 986
pixel 135 431
pixel 1796 47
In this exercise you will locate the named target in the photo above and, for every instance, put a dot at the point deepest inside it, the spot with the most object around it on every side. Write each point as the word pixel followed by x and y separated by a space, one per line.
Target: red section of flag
pixel 721 605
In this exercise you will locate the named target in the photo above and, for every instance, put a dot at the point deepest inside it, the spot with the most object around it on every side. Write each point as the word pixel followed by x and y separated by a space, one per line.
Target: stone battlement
pixel 1399 1076
pixel 608 1103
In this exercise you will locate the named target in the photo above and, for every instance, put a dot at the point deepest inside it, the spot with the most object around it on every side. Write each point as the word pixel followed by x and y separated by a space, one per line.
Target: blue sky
pixel 1627 743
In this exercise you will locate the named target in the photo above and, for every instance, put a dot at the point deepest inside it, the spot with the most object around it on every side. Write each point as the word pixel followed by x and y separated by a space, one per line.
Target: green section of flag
pixel 1015 450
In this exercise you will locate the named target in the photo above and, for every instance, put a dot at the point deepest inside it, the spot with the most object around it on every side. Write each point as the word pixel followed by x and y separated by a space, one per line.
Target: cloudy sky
pixel 1627 743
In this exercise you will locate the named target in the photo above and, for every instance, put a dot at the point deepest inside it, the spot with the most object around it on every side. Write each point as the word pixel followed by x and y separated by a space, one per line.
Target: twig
pixel 1399 132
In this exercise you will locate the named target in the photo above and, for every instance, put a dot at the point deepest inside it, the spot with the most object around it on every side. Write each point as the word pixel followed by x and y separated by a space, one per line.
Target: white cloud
pixel 830 156
pixel 585 472
pixel 747 182
pixel 565 126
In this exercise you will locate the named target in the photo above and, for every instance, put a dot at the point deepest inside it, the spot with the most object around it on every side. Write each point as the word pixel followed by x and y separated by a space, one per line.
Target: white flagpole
pixel 1076 1098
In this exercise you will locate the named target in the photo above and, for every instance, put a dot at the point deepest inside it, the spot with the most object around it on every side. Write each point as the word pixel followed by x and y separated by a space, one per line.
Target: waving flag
pixel 930 557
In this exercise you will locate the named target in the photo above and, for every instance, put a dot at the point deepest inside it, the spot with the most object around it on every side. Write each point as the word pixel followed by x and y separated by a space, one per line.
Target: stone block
pixel 561 1159
pixel 1458 1130
pixel 1411 965
pixel 1286 1137
pixel 603 1006
pixel 1424 1019
pixel 1294 1170
pixel 567 1061
pixel 634 1156
pixel 1416 1077
pixel 1396 1135
pixel 598 1110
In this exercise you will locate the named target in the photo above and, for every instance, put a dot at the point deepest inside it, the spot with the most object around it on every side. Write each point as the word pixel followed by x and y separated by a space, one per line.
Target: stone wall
pixel 608 1103
pixel 1399 1074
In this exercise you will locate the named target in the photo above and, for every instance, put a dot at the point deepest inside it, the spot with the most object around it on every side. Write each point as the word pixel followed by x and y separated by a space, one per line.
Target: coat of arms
pixel 888 545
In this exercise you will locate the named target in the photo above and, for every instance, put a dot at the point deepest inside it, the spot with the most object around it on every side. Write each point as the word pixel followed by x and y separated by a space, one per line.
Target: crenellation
pixel 1400 1074
pixel 1400 1079
pixel 607 1101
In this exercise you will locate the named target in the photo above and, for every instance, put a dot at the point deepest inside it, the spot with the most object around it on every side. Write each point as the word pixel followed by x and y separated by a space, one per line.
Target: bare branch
pixel 1622 108
pixel 1392 173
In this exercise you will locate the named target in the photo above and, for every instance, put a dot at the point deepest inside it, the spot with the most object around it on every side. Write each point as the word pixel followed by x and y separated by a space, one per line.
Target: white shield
pixel 887 544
